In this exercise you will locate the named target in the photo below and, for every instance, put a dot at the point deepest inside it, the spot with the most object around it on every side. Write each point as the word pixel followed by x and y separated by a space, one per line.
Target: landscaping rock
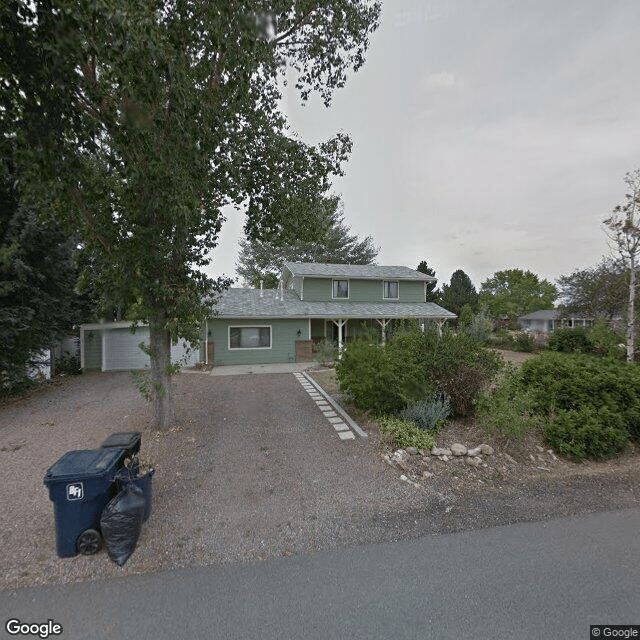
pixel 458 449
pixel 412 450
pixel 486 449
pixel 476 451
pixel 437 451
pixel 474 462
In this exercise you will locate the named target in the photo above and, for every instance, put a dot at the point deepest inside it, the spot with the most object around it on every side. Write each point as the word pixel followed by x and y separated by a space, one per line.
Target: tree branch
pixel 283 36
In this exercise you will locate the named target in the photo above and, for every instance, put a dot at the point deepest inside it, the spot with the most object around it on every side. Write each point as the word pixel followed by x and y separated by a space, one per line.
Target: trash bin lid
pixel 124 440
pixel 76 465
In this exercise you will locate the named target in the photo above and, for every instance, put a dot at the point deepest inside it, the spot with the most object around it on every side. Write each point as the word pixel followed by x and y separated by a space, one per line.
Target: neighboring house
pixel 314 302
pixel 547 320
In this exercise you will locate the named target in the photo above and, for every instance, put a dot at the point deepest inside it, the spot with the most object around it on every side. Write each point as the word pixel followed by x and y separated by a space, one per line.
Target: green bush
pixel 413 366
pixel 326 351
pixel 571 382
pixel 592 404
pixel 460 366
pixel 382 378
pixel 429 413
pixel 570 340
pixel 406 433
pixel 587 433
pixel 480 328
pixel 509 409
pixel 522 341
pixel 605 341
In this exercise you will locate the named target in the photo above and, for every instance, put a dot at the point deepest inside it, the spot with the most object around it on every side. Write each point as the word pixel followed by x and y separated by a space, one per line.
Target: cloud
pixel 440 80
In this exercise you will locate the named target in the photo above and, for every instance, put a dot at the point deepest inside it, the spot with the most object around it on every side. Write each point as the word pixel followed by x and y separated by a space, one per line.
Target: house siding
pixel 297 285
pixel 320 290
pixel 284 334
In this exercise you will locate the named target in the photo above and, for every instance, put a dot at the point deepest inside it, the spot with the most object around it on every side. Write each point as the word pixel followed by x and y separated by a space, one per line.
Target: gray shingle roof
pixel 542 314
pixel 248 303
pixel 364 271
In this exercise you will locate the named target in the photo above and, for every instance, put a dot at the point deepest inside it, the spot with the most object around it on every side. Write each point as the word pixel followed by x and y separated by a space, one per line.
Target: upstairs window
pixel 390 289
pixel 340 288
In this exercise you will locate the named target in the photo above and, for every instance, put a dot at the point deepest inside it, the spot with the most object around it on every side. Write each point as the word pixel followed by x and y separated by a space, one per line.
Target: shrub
pixel 406 433
pixel 523 341
pixel 429 413
pixel 570 340
pixel 383 378
pixel 509 410
pixel 606 342
pixel 326 351
pixel 587 433
pixel 460 367
pixel 480 328
pixel 593 404
pixel 413 366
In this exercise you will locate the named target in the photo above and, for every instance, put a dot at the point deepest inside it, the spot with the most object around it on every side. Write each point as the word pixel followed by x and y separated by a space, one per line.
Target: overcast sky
pixel 488 134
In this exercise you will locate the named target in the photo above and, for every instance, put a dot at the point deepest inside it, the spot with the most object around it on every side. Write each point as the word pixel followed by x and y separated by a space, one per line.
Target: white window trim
pixel 383 290
pixel 249 326
pixel 348 288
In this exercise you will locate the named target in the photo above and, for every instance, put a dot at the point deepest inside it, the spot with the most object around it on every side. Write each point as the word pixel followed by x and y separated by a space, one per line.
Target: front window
pixel 391 289
pixel 340 288
pixel 249 337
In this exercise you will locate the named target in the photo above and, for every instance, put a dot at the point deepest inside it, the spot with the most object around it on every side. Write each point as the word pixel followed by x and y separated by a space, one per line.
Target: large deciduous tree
pixel 170 111
pixel 623 228
pixel 262 261
pixel 599 291
pixel 514 292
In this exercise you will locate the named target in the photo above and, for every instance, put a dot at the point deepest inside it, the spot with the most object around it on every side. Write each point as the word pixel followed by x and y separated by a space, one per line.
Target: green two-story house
pixel 314 302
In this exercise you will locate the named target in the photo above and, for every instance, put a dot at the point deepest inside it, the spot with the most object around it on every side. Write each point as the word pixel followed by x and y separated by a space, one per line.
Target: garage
pixel 114 347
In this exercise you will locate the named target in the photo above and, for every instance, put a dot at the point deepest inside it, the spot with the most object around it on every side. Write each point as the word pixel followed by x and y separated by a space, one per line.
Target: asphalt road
pixel 533 580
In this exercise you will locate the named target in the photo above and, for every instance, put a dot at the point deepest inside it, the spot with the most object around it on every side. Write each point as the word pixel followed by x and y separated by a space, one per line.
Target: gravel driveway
pixel 253 471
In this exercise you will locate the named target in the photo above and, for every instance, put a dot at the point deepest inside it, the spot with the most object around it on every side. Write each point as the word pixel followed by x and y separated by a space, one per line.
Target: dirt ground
pixel 253 470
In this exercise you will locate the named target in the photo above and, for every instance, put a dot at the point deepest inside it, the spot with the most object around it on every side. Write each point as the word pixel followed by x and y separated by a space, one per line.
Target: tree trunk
pixel 631 313
pixel 161 383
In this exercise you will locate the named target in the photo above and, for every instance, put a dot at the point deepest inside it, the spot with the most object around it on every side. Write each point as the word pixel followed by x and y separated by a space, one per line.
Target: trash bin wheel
pixel 88 542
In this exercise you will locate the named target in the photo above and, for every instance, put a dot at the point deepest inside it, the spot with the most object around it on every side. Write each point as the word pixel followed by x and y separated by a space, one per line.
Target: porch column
pixel 383 323
pixel 340 323
pixel 440 323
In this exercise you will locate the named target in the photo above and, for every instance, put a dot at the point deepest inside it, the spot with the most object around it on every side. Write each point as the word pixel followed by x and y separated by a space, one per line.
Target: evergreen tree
pixel 38 305
pixel 432 293
pixel 263 260
pixel 458 293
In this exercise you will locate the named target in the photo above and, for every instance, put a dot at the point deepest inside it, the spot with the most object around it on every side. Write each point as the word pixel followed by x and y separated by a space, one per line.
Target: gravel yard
pixel 253 471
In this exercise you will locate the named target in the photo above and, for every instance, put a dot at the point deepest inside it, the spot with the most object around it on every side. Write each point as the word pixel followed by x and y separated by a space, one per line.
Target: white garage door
pixel 184 354
pixel 121 350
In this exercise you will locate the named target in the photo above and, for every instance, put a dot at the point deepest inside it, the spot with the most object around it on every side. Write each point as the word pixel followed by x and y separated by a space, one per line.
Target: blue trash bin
pixel 80 485
pixel 128 440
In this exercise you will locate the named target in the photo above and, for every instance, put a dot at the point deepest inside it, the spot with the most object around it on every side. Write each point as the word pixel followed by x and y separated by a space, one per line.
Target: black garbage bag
pixel 121 522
